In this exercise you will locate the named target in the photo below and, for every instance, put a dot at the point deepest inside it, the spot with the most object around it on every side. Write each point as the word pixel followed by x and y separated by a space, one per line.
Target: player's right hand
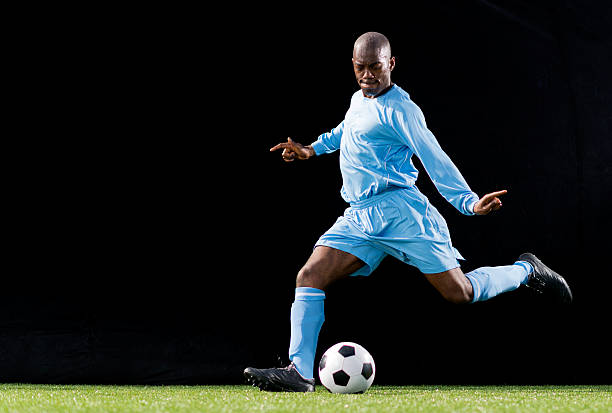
pixel 294 150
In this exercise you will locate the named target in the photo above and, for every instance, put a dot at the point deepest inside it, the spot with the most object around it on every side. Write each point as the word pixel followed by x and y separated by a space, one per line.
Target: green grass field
pixel 90 398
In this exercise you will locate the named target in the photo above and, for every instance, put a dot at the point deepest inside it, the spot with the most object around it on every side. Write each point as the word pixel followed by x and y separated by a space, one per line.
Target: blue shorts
pixel 398 222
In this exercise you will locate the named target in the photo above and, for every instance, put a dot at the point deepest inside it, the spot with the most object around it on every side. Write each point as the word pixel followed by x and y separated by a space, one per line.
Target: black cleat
pixel 279 379
pixel 545 281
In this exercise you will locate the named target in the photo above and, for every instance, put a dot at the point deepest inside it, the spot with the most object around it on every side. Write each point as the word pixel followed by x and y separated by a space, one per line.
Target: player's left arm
pixel 410 125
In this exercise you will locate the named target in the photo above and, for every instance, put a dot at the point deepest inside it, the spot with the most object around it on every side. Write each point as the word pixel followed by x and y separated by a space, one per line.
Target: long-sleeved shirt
pixel 377 139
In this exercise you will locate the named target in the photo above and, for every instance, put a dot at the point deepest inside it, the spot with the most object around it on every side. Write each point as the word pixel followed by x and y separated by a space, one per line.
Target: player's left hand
pixel 489 203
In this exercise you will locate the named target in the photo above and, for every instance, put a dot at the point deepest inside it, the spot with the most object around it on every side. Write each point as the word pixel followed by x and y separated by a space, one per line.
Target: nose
pixel 367 74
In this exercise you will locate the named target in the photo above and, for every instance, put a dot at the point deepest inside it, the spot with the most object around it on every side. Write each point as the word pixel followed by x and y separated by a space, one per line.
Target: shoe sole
pixel 253 379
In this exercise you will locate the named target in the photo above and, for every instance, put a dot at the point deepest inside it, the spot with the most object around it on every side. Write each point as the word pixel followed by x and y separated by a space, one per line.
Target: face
pixel 372 69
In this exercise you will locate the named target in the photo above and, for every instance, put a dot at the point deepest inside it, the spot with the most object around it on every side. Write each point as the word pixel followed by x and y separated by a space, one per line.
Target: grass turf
pixel 90 398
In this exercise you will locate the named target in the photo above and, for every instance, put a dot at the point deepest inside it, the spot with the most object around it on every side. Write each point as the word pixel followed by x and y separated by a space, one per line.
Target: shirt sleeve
pixel 409 123
pixel 330 141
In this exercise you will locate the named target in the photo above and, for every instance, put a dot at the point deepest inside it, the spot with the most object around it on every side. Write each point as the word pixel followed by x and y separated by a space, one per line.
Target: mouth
pixel 368 84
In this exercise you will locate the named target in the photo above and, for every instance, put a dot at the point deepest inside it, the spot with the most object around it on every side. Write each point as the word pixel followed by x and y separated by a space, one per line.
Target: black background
pixel 150 236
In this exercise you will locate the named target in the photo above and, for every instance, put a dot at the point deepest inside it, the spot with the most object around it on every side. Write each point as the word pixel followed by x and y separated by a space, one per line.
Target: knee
pixel 307 277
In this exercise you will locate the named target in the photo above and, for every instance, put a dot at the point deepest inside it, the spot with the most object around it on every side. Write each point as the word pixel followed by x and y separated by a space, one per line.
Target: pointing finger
pixel 493 195
pixel 280 146
pixel 498 193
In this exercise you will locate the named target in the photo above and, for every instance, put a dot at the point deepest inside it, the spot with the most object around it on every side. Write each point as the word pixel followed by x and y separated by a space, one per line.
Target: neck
pixel 382 92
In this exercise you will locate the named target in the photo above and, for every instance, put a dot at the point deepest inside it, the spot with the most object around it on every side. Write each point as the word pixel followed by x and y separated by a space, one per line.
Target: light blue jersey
pixel 377 139
pixel 388 215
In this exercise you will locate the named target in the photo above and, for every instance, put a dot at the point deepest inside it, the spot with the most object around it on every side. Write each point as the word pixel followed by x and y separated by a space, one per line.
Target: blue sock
pixel 307 316
pixel 487 282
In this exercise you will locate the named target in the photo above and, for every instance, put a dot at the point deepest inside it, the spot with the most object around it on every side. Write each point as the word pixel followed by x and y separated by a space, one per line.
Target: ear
pixel 392 63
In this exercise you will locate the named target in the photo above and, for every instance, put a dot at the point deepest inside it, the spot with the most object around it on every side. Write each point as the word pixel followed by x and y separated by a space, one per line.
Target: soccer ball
pixel 347 368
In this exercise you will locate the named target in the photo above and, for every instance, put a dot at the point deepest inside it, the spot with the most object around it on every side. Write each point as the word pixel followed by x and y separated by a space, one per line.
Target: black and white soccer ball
pixel 347 368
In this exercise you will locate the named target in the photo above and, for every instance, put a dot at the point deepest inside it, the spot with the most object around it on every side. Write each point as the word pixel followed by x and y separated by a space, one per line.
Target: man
pixel 388 215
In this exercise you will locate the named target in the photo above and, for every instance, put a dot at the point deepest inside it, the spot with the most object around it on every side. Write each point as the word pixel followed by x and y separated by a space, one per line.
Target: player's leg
pixel 487 282
pixel 428 247
pixel 481 284
pixel 324 266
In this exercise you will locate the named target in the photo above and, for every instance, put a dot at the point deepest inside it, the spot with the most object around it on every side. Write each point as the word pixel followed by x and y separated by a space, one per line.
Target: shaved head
pixel 373 41
pixel 373 63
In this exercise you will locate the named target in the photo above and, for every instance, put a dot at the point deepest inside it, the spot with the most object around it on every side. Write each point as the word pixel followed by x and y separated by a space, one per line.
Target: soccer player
pixel 388 215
